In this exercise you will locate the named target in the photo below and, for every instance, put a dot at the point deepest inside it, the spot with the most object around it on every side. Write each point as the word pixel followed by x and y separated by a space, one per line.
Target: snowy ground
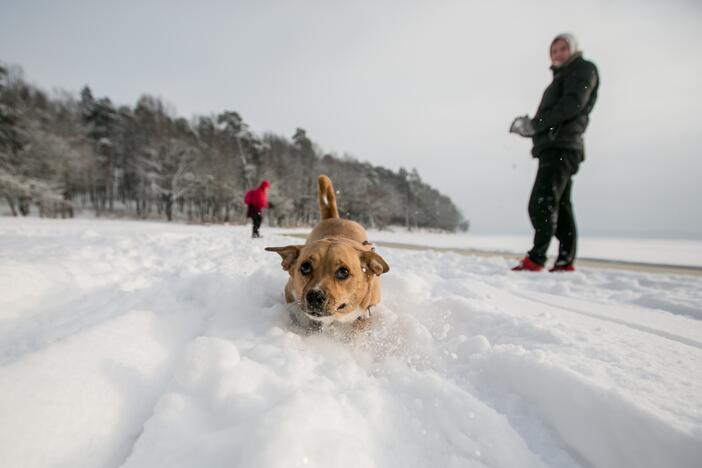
pixel 146 344
pixel 681 252
pixel 684 252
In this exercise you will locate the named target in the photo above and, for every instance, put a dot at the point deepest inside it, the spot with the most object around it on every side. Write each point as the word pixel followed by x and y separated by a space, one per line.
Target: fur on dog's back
pixel 331 225
pixel 326 198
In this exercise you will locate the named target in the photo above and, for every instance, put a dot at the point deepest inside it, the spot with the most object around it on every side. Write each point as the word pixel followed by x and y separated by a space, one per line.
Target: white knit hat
pixel 570 39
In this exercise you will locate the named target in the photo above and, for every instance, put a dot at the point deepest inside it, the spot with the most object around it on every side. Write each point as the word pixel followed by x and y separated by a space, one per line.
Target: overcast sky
pixel 432 85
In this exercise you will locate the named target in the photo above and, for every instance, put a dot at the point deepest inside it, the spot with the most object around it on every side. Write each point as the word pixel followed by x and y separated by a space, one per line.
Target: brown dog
pixel 335 275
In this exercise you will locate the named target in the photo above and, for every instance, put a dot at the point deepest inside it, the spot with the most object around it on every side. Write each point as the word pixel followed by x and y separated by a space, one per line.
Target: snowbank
pixel 145 344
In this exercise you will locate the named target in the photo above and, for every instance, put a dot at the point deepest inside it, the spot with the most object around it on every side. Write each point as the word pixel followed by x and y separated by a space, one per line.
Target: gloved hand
pixel 522 126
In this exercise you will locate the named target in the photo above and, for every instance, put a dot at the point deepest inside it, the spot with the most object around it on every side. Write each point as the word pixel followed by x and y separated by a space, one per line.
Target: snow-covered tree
pixel 62 152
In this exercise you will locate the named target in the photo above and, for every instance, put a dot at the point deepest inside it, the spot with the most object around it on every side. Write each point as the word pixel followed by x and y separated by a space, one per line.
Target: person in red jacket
pixel 256 200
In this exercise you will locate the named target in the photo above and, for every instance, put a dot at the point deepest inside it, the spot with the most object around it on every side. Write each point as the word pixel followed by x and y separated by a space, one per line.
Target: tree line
pixel 60 153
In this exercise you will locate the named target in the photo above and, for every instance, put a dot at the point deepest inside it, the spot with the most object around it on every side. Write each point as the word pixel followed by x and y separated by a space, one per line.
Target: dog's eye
pixel 342 273
pixel 306 268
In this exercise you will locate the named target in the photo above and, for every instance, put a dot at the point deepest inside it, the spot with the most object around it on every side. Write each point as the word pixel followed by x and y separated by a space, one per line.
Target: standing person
pixel 256 200
pixel 557 134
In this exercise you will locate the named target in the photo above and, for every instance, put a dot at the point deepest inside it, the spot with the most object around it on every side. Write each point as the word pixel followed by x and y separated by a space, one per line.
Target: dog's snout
pixel 315 300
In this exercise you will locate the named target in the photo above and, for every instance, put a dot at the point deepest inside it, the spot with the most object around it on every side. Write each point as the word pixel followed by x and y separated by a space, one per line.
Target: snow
pixel 140 344
pixel 685 252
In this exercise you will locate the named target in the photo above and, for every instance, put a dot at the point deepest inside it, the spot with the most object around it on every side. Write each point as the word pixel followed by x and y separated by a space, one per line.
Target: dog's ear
pixel 374 262
pixel 289 254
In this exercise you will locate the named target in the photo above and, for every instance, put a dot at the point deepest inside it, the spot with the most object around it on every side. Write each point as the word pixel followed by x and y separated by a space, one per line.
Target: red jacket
pixel 257 197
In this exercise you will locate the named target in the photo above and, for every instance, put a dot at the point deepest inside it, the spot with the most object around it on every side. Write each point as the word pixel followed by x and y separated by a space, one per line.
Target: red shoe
pixel 527 264
pixel 562 267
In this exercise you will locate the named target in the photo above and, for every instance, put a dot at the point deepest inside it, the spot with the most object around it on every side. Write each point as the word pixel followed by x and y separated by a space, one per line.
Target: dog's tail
pixel 327 198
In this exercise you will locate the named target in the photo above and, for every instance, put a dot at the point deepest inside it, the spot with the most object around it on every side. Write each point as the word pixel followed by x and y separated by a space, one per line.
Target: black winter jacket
pixel 565 106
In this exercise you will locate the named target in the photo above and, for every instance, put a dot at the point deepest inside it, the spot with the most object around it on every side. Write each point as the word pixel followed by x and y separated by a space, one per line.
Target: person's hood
pixel 570 40
pixel 264 185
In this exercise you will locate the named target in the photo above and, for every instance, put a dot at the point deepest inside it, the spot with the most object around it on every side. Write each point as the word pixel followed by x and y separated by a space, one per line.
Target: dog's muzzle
pixel 316 302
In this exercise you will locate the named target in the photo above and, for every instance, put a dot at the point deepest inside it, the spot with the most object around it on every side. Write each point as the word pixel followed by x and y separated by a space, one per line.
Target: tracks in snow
pixel 669 335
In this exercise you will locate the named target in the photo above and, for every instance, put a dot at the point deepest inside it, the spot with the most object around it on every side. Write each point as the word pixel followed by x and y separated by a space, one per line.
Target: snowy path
pixel 671 252
pixel 610 262
pixel 143 344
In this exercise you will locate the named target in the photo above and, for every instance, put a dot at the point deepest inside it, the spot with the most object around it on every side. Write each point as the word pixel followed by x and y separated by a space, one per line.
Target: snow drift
pixel 141 344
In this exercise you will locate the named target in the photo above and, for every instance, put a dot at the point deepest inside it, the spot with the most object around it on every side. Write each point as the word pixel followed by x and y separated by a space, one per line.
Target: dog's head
pixel 331 279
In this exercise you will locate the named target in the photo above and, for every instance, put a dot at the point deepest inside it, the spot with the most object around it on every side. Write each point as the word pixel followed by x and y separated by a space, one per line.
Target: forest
pixel 62 153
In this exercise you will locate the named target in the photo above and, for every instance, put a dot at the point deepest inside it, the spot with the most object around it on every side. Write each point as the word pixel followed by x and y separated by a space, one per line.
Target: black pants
pixel 256 217
pixel 550 207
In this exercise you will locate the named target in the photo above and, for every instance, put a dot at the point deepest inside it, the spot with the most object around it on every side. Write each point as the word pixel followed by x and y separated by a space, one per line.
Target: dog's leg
pixel 327 198
pixel 362 324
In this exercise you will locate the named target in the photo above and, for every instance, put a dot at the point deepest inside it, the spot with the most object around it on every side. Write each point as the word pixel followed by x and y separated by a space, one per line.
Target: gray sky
pixel 432 85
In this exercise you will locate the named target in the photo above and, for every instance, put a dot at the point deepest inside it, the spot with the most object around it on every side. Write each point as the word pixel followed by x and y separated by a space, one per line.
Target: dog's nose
pixel 315 300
